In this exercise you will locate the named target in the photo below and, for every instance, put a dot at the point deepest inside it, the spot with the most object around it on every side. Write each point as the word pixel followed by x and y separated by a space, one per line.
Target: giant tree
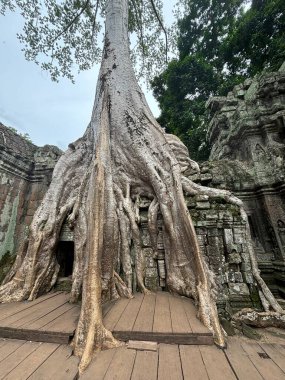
pixel 96 186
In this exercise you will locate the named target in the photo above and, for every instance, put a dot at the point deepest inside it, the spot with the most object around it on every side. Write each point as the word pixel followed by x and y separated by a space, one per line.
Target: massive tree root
pixel 96 187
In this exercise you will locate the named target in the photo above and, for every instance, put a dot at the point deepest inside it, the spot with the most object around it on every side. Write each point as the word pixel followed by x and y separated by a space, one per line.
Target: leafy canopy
pixel 220 44
pixel 61 35
pixel 257 42
pixel 184 87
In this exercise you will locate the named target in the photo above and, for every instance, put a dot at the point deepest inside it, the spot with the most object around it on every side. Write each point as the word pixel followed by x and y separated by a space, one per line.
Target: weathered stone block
pixel 160 244
pixel 239 235
pixel 238 289
pixel 248 278
pixel 145 238
pixel 231 277
pixel 238 277
pixel 212 216
pixel 206 177
pixel 202 198
pixel 203 205
pixel 228 236
pixel 234 258
pixel 151 278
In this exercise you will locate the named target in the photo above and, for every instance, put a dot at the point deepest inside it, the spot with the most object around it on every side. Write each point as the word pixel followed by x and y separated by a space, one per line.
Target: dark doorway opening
pixel 65 258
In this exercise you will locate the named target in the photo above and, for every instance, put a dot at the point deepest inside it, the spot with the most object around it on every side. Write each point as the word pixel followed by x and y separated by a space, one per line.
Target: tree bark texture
pixel 96 186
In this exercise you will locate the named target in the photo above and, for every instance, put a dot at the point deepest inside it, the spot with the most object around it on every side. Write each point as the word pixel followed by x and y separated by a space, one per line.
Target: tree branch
pixel 75 18
pixel 162 27
pixel 139 22
pixel 94 21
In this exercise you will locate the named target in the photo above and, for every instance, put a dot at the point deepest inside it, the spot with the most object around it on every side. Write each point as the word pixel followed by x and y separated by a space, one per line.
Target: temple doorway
pixel 65 258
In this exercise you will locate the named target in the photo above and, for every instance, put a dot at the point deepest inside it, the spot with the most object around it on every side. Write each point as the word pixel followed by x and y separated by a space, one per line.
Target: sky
pixel 51 113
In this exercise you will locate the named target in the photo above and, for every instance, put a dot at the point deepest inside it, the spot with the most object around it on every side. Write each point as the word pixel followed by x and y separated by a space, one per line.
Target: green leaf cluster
pixel 257 41
pixel 64 36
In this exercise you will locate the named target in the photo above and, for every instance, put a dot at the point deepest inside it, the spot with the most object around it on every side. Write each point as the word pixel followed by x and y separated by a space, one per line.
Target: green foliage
pixel 186 82
pixel 220 44
pixel 61 36
pixel 205 26
pixel 257 42
pixel 184 87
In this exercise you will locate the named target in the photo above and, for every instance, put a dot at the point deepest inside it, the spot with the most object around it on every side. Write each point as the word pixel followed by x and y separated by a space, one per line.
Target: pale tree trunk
pixel 96 186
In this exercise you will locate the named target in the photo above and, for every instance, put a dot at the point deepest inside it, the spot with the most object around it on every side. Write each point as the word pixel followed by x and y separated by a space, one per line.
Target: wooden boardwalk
pixel 50 318
pixel 21 360
pixel 159 317
pixel 243 360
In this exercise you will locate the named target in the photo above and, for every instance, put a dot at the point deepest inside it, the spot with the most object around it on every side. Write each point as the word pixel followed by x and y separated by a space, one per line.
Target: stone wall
pixel 221 236
pixel 247 134
pixel 25 174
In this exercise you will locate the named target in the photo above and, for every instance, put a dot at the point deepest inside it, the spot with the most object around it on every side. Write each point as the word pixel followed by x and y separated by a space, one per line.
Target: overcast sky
pixel 51 113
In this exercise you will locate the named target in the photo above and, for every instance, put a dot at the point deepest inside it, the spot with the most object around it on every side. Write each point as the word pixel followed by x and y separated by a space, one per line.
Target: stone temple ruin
pixel 247 134
pixel 25 174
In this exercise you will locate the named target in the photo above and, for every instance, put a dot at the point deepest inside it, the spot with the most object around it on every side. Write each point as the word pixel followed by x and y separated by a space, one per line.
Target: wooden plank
pixel 99 366
pixel 128 317
pixel 169 366
pixel 20 354
pixel 191 312
pixel 69 369
pixel 216 363
pixel 2 342
pixel 142 345
pixel 192 364
pixel 65 323
pixel 169 338
pixel 24 317
pixel 106 307
pixel 115 313
pixel 54 363
pixel 179 320
pixel 144 321
pixel 277 355
pixel 35 335
pixel 50 317
pixel 145 367
pixel 121 366
pixel 162 320
pixel 240 362
pixel 268 369
pixel 281 347
pixel 28 366
pixel 9 347
pixel 15 307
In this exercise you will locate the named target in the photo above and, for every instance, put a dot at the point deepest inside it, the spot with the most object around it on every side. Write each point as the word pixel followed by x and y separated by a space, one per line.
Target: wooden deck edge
pixel 36 335
pixel 187 339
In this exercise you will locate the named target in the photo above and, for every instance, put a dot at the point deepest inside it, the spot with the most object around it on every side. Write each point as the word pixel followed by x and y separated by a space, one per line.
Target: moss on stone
pixel 64 284
pixel 6 263
pixel 234 211
pixel 219 200
pixel 9 214
pixel 250 332
pixel 227 326
pixel 255 298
